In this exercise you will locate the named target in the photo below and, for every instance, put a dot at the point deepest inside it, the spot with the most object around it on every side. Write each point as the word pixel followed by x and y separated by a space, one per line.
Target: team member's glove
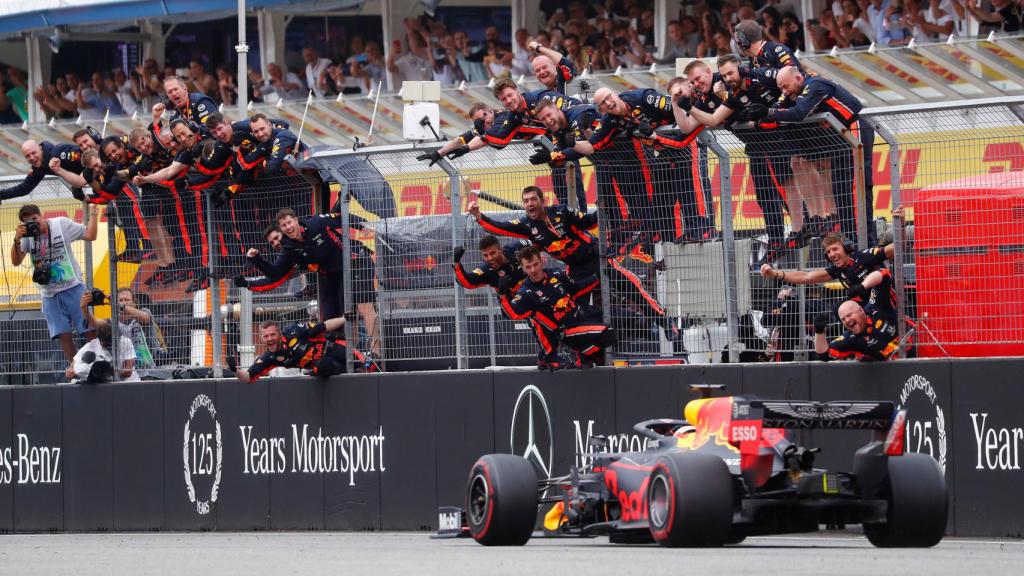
pixel 88 174
pixel 540 155
pixel 857 291
pixel 434 156
pixel 460 151
pixel 458 253
pixel 232 364
pixel 314 329
pixel 685 102
pixel 77 192
pixel 644 130
pixel 756 111
pixel 241 281
pixel 820 322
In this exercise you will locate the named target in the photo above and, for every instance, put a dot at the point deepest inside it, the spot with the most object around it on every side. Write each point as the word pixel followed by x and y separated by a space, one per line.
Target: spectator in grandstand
pixel 314 347
pixel 199 80
pixel 94 362
pixel 316 69
pixel 18 94
pixel 147 84
pixel 863 272
pixel 47 242
pixel 415 64
pixel 191 106
pixel 679 45
pixel 810 94
pixel 869 335
pixel 281 84
pixel 469 59
pixel 38 156
pixel 555 302
pixel 134 322
pixel 8 115
pixel 123 90
pixel 53 100
pixel 101 99
pixel 1004 15
pixel 226 87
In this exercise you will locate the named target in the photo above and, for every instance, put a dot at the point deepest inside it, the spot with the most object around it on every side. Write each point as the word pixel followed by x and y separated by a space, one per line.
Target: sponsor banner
pixel 243 496
pixel 989 447
pixel 193 453
pixel 87 414
pixel 298 451
pixel 464 432
pixel 352 488
pixel 408 405
pixel 138 464
pixel 35 459
pixel 8 457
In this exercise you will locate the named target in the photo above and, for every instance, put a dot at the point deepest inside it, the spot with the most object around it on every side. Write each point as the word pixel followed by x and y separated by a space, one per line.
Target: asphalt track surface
pixel 258 554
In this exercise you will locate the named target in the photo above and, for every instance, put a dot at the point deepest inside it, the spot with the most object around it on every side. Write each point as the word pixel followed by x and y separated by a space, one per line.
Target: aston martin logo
pixel 531 435
pixel 822 411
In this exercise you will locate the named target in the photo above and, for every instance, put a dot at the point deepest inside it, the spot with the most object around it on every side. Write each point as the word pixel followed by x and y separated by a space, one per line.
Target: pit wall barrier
pixel 382 452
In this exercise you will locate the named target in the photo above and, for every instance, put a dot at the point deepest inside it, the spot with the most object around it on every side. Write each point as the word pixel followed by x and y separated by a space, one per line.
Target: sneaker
pixel 130 256
pixel 158 277
pixel 370 363
pixel 795 239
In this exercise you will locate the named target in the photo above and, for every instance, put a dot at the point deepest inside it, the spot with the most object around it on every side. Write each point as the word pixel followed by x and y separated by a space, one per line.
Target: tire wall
pixel 369 452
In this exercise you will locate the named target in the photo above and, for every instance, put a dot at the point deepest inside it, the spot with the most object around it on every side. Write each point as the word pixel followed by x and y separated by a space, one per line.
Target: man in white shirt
pixel 315 67
pixel 94 362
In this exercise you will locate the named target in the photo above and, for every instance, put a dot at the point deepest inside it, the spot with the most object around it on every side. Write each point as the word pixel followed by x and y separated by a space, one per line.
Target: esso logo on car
pixel 744 433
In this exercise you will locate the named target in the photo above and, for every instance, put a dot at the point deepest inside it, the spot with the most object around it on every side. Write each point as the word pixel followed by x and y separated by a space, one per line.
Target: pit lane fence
pixel 693 249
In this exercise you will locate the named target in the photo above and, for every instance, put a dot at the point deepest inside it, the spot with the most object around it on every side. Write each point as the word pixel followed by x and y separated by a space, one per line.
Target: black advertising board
pixel 138 456
pixel 88 453
pixel 37 459
pixel 250 456
pixel 988 426
pixel 297 424
pixel 362 453
pixel 7 470
pixel 193 446
pixel 550 417
pixel 465 431
pixel 408 419
pixel 644 393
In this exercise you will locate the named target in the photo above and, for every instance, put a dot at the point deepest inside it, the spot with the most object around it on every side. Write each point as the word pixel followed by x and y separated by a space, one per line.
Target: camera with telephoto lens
pixel 98 297
pixel 32 229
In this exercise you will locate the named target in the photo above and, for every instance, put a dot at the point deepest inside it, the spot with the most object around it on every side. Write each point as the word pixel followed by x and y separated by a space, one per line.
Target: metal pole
pixel 897 229
pixel 351 328
pixel 242 49
pixel 857 150
pixel 458 232
pixel 88 245
pixel 802 351
pixel 217 317
pixel 605 287
pixel 115 321
pixel 246 345
pixel 728 244
pixel 492 305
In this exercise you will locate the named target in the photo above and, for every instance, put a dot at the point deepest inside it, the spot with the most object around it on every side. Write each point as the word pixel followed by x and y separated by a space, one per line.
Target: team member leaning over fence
pixel 863 272
pixel 564 234
pixel 556 302
pixel 870 334
pixel 503 272
pixel 314 347
pixel 314 244
pixel 806 95
pixel 47 241
pixel 38 156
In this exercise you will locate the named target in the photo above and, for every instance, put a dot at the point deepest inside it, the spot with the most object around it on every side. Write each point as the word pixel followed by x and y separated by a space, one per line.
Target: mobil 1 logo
pixel 202 453
pixel 926 422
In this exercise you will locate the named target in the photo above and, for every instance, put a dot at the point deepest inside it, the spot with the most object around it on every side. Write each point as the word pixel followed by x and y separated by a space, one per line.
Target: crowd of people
pixel 652 186
pixel 596 36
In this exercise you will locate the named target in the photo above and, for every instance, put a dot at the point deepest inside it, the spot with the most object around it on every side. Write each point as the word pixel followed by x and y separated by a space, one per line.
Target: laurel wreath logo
pixel 940 425
pixel 202 506
pixel 918 383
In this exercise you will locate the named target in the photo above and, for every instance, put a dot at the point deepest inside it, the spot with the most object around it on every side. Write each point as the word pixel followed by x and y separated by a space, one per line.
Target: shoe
pixel 200 282
pixel 158 277
pixel 130 256
pixel 774 251
pixel 370 364
pixel 308 292
pixel 795 239
pixel 832 224
pixel 182 275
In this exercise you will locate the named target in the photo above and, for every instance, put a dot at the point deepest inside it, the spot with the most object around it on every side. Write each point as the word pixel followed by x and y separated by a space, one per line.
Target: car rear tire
pixel 501 500
pixel 918 504
pixel 690 500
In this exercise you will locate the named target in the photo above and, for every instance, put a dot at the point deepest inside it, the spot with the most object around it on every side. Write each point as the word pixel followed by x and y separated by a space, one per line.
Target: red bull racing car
pixel 730 470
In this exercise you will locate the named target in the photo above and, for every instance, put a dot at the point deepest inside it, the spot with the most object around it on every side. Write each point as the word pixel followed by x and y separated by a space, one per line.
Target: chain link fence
pixel 684 227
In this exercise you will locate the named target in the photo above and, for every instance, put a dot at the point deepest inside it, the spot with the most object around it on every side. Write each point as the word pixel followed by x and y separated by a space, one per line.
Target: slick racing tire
pixel 918 504
pixel 501 500
pixel 690 500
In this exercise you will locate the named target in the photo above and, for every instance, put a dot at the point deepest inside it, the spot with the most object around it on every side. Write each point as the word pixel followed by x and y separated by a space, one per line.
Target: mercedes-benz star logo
pixel 531 435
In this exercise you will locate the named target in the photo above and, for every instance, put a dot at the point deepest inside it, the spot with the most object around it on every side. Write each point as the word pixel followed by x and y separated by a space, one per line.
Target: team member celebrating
pixel 310 346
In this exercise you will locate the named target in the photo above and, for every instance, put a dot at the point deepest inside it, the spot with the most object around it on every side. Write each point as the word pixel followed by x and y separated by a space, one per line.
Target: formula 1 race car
pixel 729 471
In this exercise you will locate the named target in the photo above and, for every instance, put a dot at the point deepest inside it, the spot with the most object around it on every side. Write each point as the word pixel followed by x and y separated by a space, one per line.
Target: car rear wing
pixel 808 415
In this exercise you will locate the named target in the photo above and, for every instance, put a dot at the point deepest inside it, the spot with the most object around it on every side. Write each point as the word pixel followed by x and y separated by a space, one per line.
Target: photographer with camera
pixel 47 241
pixel 134 323
pixel 94 363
